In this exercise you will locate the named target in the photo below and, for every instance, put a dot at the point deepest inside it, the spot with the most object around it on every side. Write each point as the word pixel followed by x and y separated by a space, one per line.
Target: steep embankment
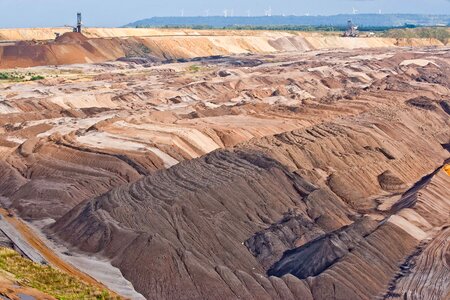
pixel 321 150
pixel 191 220
pixel 28 34
pixel 111 44
pixel 425 274
pixel 70 48
pixel 65 140
pixel 43 34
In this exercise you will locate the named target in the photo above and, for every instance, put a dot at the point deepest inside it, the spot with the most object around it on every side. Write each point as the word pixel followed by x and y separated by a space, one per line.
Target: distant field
pixel 441 34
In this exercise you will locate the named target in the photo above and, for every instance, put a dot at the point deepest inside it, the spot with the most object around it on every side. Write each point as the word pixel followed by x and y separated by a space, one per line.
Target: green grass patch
pixel 48 280
pixel 36 77
pixel 194 68
pixel 20 77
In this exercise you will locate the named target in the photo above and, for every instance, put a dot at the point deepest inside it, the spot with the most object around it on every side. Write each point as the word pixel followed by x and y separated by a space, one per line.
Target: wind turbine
pixel 182 12
pixel 269 12
pixel 248 13
pixel 355 11
pixel 207 12
pixel 232 13
pixel 225 13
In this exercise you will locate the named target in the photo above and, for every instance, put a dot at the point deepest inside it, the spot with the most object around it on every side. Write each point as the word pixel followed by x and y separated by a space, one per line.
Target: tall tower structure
pixel 352 30
pixel 79 23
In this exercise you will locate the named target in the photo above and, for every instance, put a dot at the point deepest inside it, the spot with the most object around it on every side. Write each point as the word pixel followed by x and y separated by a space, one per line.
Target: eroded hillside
pixel 38 47
pixel 296 175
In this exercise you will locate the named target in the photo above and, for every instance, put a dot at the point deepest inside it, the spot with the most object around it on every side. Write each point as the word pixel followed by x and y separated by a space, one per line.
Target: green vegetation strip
pixel 19 77
pixel 194 68
pixel 47 279
pixel 441 34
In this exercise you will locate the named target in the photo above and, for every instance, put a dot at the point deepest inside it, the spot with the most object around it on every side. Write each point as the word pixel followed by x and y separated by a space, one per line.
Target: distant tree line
pixel 441 34
pixel 372 21
pixel 405 31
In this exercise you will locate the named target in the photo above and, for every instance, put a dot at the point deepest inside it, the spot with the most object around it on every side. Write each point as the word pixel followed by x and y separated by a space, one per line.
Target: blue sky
pixel 40 13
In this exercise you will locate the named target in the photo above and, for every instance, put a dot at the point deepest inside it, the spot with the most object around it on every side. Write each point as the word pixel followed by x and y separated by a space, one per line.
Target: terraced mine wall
pixel 295 175
pixel 46 34
pixel 100 45
pixel 303 214
pixel 188 215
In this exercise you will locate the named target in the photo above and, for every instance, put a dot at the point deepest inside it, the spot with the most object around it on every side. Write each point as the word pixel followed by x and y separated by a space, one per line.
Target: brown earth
pixel 9 289
pixel 294 175
pixel 34 241
pixel 100 45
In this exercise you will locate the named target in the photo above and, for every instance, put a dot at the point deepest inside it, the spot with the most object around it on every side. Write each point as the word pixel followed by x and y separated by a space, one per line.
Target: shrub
pixel 194 68
pixel 36 77
pixel 47 279
pixel 14 76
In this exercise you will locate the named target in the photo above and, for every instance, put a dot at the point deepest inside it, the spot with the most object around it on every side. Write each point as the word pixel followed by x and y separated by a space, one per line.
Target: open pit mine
pixel 183 164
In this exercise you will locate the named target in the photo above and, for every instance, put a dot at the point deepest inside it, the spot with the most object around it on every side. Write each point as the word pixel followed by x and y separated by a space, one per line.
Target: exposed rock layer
pixel 288 179
pixel 111 44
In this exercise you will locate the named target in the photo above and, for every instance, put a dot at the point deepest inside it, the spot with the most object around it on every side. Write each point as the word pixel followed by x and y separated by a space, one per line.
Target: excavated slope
pixel 277 176
pixel 192 219
pixel 425 274
pixel 305 206
pixel 73 139
pixel 110 45
pixel 41 34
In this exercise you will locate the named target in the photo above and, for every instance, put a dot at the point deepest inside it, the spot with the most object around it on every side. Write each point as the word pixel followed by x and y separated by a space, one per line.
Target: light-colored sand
pixel 6 109
pixel 67 125
pixel 14 139
pixel 14 235
pixel 193 136
pixel 415 218
pixel 110 141
pixel 84 101
pixel 98 268
pixel 110 44
pixel 417 62
pixel 407 226
pixel 20 34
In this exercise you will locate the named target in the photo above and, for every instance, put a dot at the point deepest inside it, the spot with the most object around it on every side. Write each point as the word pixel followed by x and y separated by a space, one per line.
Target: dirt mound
pixel 71 49
pixel 389 182
pixel 71 38
pixel 318 255
pixel 201 213
pixel 172 197
pixel 445 104
pixel 422 103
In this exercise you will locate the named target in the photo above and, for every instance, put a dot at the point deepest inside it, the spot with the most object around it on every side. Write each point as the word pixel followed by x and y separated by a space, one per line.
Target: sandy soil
pixel 10 290
pixel 201 178
pixel 34 241
pixel 101 45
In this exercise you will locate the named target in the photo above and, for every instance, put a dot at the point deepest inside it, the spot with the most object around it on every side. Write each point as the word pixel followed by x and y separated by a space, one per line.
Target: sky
pixel 113 13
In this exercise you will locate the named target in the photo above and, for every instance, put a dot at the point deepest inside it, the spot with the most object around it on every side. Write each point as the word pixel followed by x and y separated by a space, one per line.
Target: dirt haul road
pixel 49 255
